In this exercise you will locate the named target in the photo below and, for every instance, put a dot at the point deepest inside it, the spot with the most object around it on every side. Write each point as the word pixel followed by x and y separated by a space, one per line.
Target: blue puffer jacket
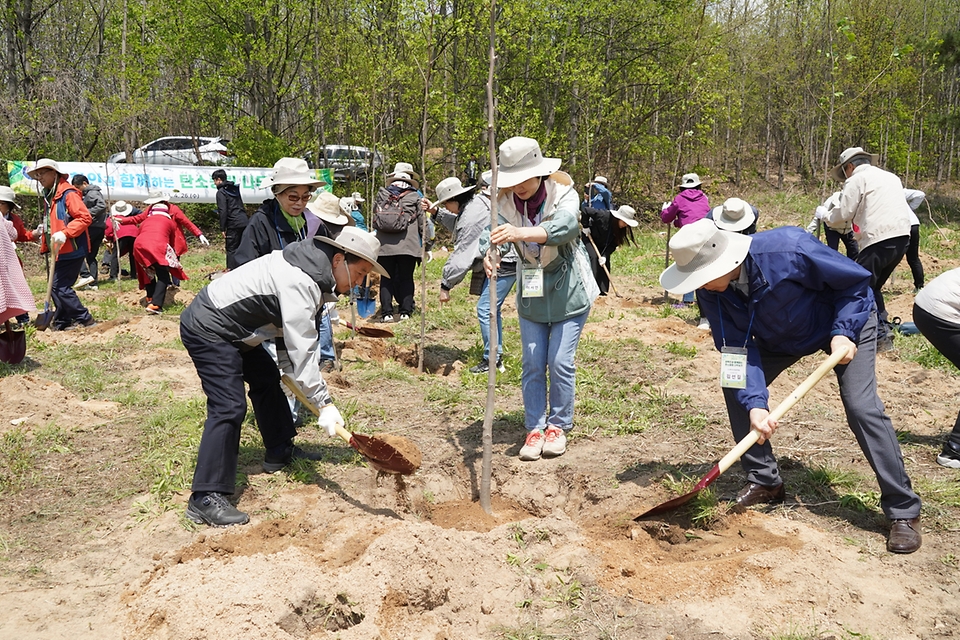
pixel 802 293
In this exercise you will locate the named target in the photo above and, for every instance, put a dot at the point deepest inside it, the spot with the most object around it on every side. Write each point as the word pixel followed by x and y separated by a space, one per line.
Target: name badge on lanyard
pixel 532 282
pixel 733 368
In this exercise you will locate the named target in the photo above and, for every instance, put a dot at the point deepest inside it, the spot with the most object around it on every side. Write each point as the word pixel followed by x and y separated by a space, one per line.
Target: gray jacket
pixel 96 205
pixel 466 256
pixel 406 243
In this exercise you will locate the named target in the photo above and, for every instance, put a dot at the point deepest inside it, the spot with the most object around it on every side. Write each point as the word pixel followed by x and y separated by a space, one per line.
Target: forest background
pixel 638 90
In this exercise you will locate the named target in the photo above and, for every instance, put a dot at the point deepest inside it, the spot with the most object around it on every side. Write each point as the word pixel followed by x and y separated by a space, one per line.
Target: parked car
pixel 349 163
pixel 180 150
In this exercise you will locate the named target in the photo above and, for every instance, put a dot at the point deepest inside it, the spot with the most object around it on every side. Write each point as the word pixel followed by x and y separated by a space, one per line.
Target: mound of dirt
pixel 31 401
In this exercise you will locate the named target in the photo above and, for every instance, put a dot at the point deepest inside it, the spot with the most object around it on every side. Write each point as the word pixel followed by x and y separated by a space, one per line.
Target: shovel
pixel 751 439
pixel 42 321
pixel 371 332
pixel 13 344
pixel 388 454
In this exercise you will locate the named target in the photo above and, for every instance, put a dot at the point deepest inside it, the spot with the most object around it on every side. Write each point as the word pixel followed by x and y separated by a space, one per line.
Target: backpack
pixel 389 214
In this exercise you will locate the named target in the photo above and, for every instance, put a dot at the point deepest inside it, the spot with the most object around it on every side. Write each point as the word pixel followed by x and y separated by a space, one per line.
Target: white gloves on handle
pixel 203 240
pixel 330 419
pixel 821 213
pixel 602 260
pixel 664 206
pixel 59 238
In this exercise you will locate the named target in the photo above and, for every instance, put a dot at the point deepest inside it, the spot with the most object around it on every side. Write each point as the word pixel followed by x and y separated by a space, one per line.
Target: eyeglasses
pixel 292 197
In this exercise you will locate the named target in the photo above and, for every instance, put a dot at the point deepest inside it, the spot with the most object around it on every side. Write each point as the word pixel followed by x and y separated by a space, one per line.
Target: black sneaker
pixel 950 456
pixel 215 510
pixel 484 366
pixel 272 464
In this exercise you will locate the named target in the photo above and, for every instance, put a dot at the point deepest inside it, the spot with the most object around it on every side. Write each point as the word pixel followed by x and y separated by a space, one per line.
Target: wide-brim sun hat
pixel 43 163
pixel 626 213
pixel 848 155
pixel 8 195
pixel 451 188
pixel 403 167
pixel 357 197
pixel 600 180
pixel 153 197
pixel 403 176
pixel 734 215
pixel 521 159
pixel 703 252
pixel 359 243
pixel 689 181
pixel 326 206
pixel 120 208
pixel 293 172
pixel 486 178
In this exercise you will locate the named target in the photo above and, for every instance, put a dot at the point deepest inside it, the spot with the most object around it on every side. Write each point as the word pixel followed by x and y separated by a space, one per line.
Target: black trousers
pixel 223 368
pixel 880 259
pixel 834 237
pixel 122 246
pixel 945 336
pixel 90 266
pixel 157 289
pixel 913 257
pixel 231 241
pixel 69 308
pixel 399 286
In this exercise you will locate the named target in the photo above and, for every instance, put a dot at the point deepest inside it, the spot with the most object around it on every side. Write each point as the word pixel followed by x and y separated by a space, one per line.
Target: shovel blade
pixel 670 505
pixel 43 320
pixel 386 457
pixel 13 346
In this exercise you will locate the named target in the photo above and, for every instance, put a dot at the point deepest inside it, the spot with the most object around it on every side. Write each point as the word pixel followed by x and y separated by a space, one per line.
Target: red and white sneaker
pixel 554 442
pixel 532 446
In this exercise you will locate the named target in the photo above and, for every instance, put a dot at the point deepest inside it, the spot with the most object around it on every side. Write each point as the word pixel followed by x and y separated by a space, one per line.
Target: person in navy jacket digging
pixel 775 297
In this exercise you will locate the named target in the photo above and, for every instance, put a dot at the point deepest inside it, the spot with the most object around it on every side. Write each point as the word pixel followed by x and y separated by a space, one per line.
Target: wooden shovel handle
pixel 788 402
pixel 301 396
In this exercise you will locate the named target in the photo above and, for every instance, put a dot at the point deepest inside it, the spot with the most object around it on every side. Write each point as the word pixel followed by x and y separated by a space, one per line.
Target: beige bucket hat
pixel 359 243
pixel 703 252
pixel 521 159
pixel 7 195
pixel 44 163
pixel 689 181
pixel 626 213
pixel 734 215
pixel 292 172
pixel 153 197
pixel 450 188
pixel 847 156
pixel 120 208
pixel 326 206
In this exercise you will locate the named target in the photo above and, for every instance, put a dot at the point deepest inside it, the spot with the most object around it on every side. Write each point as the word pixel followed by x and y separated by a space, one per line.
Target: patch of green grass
pixel 824 481
pixel 918 349
pixel 681 349
pixel 17 461
pixel 568 593
pixel 795 632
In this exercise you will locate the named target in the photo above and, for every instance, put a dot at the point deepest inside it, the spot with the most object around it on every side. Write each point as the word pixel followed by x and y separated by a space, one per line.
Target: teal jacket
pixel 569 287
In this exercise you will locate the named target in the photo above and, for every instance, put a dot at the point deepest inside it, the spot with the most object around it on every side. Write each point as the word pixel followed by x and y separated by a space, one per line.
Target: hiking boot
pixel 484 366
pixel 215 510
pixel 554 441
pixel 154 309
pixel 904 535
pixel 532 446
pixel 950 456
pixel 273 463
pixel 82 282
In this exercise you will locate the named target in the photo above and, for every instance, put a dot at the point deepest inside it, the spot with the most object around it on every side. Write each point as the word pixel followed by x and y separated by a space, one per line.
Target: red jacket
pixel 180 246
pixel 23 234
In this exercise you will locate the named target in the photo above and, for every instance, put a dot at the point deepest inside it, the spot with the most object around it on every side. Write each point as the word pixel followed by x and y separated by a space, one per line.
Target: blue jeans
pixel 325 332
pixel 504 285
pixel 550 347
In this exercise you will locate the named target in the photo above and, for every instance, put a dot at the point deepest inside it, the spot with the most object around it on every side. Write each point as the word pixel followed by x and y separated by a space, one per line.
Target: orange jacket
pixel 77 220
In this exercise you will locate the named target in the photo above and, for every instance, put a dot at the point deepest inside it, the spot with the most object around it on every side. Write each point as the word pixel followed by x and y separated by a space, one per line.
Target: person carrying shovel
pixel 275 297
pixel 771 299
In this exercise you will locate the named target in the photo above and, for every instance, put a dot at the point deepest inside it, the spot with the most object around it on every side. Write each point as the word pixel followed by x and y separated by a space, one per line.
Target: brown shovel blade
pixel 13 345
pixel 371 332
pixel 387 453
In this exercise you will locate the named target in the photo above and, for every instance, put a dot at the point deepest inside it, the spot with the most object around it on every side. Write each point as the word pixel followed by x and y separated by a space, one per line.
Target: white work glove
pixel 330 419
pixel 203 240
pixel 59 238
pixel 603 261
pixel 664 206
pixel 821 213
pixel 586 231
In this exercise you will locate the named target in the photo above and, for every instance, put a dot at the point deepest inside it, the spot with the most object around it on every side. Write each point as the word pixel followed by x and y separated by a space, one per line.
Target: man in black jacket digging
pixel 233 216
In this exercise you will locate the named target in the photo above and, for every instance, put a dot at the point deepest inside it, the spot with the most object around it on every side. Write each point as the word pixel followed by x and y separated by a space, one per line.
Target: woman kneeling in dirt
pixel 538 207
pixel 276 297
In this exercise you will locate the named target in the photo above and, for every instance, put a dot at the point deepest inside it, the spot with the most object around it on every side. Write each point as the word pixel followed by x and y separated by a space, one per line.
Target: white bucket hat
pixel 521 159
pixel 600 180
pixel 346 205
pixel 403 167
pixel 734 215
pixel 292 172
pixel 703 253
pixel 7 195
pixel 626 213
pixel 450 188
pixel 359 243
pixel 847 156
pixel 326 206
pixel 43 163
pixel 357 197
pixel 120 208
pixel 153 197
pixel 486 178
pixel 690 181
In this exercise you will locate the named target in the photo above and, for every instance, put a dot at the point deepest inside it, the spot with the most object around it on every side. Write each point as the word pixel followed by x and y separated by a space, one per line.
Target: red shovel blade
pixel 670 505
pixel 13 345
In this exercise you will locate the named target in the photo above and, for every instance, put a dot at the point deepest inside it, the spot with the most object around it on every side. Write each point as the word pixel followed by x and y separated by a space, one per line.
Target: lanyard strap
pixel 723 338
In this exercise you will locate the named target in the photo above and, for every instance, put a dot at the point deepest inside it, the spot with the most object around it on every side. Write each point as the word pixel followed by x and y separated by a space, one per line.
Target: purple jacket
pixel 689 206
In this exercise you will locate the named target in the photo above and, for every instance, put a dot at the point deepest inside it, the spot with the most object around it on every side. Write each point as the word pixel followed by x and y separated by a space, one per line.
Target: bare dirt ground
pixel 354 555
